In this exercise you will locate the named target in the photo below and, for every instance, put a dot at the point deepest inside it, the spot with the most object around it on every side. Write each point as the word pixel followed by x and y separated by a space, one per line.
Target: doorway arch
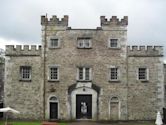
pixel 114 108
pixel 53 108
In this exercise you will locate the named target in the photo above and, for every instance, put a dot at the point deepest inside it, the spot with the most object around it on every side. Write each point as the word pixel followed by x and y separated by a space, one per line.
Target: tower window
pixel 113 43
pixel 53 73
pixel 84 43
pixel 25 72
pixel 113 73
pixel 84 73
pixel 54 43
pixel 143 74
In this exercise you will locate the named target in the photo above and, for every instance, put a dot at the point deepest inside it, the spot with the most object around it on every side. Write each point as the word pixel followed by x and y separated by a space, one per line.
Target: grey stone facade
pixel 2 69
pixel 127 97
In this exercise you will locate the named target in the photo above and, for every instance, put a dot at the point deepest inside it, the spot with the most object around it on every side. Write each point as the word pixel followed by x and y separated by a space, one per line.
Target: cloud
pixel 20 20
pixel 4 42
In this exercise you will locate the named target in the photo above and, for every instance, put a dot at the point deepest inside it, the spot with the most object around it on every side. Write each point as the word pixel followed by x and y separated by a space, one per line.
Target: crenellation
pixel 114 21
pixel 145 51
pixel 54 21
pixel 150 48
pixel 18 47
pixel 25 50
pixel 135 48
pixel 34 48
pixel 142 48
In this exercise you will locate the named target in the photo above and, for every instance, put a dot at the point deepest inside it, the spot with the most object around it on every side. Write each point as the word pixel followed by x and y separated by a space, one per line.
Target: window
pixel 53 99
pixel 143 74
pixel 54 73
pixel 84 43
pixel 114 74
pixel 54 43
pixel 84 73
pixel 25 72
pixel 113 43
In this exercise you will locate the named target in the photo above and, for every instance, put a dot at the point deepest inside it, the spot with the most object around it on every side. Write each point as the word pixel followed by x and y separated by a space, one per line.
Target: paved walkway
pixel 83 123
pixel 112 123
pixel 87 123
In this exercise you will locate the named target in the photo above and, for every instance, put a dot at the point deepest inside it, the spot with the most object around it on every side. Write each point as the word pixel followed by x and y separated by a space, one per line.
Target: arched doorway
pixel 83 100
pixel 114 108
pixel 53 108
pixel 84 103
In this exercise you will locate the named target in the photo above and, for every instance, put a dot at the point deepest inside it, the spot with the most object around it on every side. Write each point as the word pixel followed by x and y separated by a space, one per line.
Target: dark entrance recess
pixel 53 110
pixel 83 106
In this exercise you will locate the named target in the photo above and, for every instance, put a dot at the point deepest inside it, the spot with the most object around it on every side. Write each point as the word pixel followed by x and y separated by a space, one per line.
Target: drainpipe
pixel 44 66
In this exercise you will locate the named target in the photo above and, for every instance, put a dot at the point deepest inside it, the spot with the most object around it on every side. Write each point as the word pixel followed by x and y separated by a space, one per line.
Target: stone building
pixel 84 74
pixel 2 68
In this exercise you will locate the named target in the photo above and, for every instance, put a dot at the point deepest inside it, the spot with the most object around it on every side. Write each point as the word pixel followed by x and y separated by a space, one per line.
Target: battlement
pixel 145 51
pixel 114 21
pixel 54 21
pixel 24 50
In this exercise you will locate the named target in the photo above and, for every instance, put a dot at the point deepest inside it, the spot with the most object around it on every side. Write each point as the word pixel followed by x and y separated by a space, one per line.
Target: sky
pixel 20 19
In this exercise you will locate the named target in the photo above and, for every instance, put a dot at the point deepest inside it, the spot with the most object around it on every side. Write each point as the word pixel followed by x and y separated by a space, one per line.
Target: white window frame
pixel 147 74
pixel 84 74
pixel 109 43
pixel 118 73
pixel 52 38
pixel 83 41
pixel 21 72
pixel 49 73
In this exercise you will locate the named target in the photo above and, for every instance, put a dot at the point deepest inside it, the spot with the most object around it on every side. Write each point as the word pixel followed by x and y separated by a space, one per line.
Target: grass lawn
pixel 26 123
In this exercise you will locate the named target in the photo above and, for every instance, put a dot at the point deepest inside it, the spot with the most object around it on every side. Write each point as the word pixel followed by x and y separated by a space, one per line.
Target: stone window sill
pixel 145 80
pixel 84 48
pixel 84 80
pixel 114 81
pixel 115 48
pixel 25 80
pixel 53 80
pixel 54 47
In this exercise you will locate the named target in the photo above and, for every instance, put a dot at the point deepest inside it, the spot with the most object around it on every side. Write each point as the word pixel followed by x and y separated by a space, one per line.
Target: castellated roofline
pixel 143 51
pixel 25 50
pixel 114 21
pixel 55 21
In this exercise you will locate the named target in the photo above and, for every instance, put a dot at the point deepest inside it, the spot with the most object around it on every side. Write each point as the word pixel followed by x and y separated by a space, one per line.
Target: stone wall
pixel 2 69
pixel 24 96
pixel 100 57
pixel 137 100
pixel 145 98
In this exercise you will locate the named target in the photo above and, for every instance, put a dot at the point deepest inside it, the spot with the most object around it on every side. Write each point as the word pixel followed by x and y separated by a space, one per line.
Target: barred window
pixel 84 73
pixel 142 73
pixel 25 72
pixel 113 43
pixel 54 73
pixel 113 73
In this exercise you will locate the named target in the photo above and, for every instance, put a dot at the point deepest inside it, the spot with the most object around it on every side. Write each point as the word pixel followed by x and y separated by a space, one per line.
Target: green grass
pixel 62 123
pixel 26 123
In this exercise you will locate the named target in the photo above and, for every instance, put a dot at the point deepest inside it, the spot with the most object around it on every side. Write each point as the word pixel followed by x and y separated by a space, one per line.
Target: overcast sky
pixel 20 19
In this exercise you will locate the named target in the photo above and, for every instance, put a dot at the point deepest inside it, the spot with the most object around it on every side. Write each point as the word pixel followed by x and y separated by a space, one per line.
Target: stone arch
pixel 84 91
pixel 53 107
